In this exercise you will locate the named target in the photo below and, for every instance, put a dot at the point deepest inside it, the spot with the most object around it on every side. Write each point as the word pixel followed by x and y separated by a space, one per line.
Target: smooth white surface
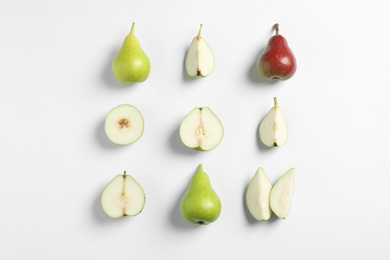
pixel 57 86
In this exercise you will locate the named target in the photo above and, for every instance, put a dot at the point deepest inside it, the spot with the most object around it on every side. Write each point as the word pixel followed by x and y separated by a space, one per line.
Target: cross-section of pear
pixel 201 129
pixel 200 59
pixel 282 193
pixel 124 124
pixel 273 129
pixel 123 196
pixel 257 196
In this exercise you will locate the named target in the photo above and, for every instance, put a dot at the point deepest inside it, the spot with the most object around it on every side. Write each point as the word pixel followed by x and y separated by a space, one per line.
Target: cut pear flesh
pixel 282 193
pixel 273 129
pixel 200 59
pixel 123 196
pixel 257 196
pixel 124 124
pixel 201 129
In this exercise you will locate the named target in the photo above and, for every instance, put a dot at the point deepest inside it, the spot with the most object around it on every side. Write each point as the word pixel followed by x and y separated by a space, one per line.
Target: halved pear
pixel 123 196
pixel 282 193
pixel 273 129
pixel 201 129
pixel 257 196
pixel 124 124
pixel 200 59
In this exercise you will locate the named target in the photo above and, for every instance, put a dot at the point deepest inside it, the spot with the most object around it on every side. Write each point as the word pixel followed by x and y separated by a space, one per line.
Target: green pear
pixel 281 194
pixel 200 204
pixel 131 63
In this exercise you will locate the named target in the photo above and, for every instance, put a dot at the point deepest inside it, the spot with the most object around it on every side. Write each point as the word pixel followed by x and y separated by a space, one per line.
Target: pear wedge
pixel 200 59
pixel 123 196
pixel 273 129
pixel 282 193
pixel 257 196
pixel 201 129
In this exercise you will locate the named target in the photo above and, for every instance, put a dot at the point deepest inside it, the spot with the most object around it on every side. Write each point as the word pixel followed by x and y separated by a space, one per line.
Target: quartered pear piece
pixel 123 196
pixel 201 129
pixel 200 59
pixel 257 196
pixel 282 193
pixel 273 129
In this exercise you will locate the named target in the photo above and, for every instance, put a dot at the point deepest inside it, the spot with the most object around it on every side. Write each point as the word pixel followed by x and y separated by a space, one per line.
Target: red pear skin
pixel 277 61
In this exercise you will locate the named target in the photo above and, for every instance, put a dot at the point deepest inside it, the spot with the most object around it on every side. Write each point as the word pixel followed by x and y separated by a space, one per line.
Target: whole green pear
pixel 200 204
pixel 131 63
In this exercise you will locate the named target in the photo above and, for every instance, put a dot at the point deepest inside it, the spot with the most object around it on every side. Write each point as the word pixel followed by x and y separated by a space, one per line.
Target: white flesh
pixel 123 196
pixel 257 196
pixel 124 124
pixel 282 193
pixel 201 129
pixel 273 129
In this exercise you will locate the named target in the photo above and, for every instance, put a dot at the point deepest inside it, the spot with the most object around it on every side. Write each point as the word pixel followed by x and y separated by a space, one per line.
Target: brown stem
pixel 276 26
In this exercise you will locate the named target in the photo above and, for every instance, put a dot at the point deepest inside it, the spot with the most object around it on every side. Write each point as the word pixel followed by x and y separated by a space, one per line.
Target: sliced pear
pixel 124 124
pixel 282 193
pixel 123 196
pixel 201 129
pixel 273 129
pixel 257 196
pixel 200 59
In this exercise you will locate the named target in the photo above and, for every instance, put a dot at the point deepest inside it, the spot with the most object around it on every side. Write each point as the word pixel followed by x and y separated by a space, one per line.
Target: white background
pixel 57 87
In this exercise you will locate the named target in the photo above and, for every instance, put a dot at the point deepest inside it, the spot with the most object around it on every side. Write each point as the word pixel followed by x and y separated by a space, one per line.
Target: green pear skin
pixel 131 64
pixel 200 204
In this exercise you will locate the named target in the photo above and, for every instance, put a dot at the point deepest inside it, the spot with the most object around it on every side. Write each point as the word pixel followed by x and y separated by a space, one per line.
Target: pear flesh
pixel 282 193
pixel 199 59
pixel 200 203
pixel 123 196
pixel 257 196
pixel 131 64
pixel 273 129
pixel 201 129
pixel 124 124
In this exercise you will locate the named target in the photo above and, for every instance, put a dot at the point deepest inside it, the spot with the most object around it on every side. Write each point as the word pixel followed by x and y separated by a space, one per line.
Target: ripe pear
pixel 201 129
pixel 123 196
pixel 200 59
pixel 257 196
pixel 273 129
pixel 200 204
pixel 124 124
pixel 282 193
pixel 277 61
pixel 131 63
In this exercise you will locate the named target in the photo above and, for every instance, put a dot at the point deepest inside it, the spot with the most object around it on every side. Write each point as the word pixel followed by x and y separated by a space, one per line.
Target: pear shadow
pixel 98 213
pixel 175 217
pixel 102 138
pixel 254 75
pixel 185 77
pixel 108 76
pixel 177 145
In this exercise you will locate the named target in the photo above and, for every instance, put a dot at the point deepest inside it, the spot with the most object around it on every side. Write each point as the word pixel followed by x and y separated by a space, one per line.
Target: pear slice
pixel 201 129
pixel 124 124
pixel 273 129
pixel 200 59
pixel 123 196
pixel 257 196
pixel 282 193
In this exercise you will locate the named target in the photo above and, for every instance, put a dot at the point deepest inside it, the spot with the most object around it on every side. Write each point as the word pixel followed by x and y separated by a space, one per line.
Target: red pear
pixel 277 62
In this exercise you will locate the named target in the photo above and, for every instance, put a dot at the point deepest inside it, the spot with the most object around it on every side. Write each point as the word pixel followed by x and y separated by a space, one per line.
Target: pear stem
pixel 132 29
pixel 275 102
pixel 124 174
pixel 200 29
pixel 276 26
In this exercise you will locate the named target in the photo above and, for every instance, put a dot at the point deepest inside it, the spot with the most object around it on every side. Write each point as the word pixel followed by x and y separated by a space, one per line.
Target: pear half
pixel 124 124
pixel 257 196
pixel 273 129
pixel 200 59
pixel 123 196
pixel 201 129
pixel 282 193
